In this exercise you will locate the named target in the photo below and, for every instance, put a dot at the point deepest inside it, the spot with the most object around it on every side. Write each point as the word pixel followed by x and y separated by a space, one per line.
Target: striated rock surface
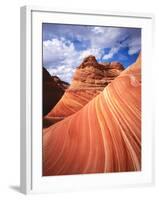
pixel 89 80
pixel 53 89
pixel 104 136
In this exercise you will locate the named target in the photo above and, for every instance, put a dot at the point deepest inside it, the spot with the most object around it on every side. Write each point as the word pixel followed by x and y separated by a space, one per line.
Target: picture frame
pixel 32 180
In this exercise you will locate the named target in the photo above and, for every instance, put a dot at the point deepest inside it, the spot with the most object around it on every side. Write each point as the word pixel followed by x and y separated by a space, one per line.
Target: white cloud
pixel 115 39
pixel 57 50
pixel 106 39
pixel 134 46
pixel 96 52
pixel 133 50
pixel 111 53
pixel 95 37
pixel 98 30
pixel 61 55
pixel 63 72
pixel 61 58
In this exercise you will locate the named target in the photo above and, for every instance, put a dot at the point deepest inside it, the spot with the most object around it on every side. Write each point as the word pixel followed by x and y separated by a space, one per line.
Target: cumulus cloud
pixel 95 37
pixel 63 72
pixel 107 38
pixel 134 46
pixel 92 51
pixel 65 46
pixel 111 53
pixel 57 51
pixel 61 58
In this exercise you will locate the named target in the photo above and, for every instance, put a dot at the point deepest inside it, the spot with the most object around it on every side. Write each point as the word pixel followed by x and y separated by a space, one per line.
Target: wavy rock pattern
pixel 104 136
pixel 89 80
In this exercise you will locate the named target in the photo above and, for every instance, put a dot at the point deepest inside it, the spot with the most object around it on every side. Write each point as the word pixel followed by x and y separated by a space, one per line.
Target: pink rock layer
pixel 104 136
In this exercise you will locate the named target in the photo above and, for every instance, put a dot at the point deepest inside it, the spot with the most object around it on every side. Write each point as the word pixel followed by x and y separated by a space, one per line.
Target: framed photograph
pixel 86 100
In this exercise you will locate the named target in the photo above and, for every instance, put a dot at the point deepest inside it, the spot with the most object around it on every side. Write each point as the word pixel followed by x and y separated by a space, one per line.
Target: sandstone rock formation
pixel 89 80
pixel 103 136
pixel 53 89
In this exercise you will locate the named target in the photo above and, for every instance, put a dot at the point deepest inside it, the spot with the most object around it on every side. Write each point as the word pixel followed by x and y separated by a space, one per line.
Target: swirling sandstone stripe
pixel 104 136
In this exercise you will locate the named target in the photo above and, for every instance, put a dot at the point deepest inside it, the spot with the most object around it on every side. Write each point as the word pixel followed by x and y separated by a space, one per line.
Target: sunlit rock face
pixel 89 80
pixel 103 136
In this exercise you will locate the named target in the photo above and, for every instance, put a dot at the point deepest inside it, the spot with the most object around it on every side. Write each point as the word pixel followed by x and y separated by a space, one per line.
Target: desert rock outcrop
pixel 89 80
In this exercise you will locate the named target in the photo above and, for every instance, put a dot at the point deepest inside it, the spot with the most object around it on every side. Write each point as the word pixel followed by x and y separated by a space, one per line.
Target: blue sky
pixel 65 46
